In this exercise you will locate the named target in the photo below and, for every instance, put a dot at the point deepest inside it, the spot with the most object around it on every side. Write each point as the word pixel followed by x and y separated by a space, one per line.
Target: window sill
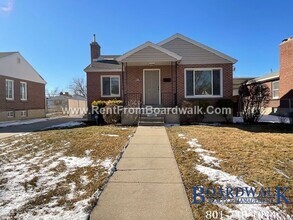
pixel 203 97
pixel 23 100
pixel 111 96
pixel 7 99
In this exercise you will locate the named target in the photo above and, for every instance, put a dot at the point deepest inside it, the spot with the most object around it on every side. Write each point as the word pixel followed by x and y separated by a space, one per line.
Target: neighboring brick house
pixel 162 74
pixel 280 83
pixel 22 89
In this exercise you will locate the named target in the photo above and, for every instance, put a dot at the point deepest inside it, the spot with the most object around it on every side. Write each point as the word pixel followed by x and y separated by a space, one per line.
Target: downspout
pixel 176 66
pixel 122 78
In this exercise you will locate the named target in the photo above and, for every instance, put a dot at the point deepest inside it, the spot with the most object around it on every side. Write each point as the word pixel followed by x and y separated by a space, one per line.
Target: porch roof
pixel 149 52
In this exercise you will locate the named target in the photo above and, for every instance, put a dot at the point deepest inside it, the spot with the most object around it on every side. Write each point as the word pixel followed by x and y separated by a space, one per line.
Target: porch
pixel 149 76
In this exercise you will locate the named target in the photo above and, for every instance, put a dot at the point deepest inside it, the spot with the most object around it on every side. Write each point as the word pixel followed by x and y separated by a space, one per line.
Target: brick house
pixel 164 74
pixel 22 89
pixel 280 82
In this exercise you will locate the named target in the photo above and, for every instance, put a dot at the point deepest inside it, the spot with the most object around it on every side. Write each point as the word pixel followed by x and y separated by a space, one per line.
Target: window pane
pixel 189 83
pixel 216 82
pixel 115 86
pixel 276 85
pixel 275 93
pixel 203 85
pixel 22 91
pixel 106 85
pixel 9 89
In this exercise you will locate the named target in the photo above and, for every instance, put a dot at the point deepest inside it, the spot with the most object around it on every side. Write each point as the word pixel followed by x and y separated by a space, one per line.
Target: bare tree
pixel 52 93
pixel 254 97
pixel 78 87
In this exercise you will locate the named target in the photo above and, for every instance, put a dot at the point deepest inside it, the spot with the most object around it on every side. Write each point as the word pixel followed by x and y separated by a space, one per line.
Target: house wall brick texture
pixel 274 103
pixel 94 86
pixel 133 83
pixel 35 96
pixel 286 67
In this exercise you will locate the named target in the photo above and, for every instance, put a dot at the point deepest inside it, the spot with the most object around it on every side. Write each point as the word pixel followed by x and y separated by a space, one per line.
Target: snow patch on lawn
pixel 25 183
pixel 239 211
pixel 182 136
pixel 108 164
pixel 281 172
pixel 111 135
pixel 202 153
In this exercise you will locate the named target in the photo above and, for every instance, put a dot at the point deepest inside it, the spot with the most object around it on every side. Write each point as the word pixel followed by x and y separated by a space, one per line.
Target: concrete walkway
pixel 147 183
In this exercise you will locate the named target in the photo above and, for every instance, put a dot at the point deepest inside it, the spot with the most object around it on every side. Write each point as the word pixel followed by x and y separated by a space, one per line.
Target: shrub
pixel 111 107
pixel 191 118
pixel 254 98
pixel 225 103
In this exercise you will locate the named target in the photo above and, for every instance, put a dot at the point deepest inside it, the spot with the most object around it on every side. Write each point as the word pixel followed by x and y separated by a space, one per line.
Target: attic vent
pixel 18 60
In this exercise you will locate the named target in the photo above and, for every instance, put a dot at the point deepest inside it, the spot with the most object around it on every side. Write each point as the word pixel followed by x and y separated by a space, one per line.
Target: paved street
pixel 18 129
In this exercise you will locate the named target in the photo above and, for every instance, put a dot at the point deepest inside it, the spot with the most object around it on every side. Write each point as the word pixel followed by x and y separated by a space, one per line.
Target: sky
pixel 54 35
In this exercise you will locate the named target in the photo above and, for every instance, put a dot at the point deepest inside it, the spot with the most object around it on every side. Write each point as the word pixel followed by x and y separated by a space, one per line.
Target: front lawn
pixel 57 174
pixel 236 155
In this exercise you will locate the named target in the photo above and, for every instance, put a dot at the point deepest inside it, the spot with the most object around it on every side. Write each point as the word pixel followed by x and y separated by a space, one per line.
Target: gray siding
pixel 149 54
pixel 192 54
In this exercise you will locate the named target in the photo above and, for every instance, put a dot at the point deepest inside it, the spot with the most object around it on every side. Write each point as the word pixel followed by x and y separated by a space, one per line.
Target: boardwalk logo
pixel 240 195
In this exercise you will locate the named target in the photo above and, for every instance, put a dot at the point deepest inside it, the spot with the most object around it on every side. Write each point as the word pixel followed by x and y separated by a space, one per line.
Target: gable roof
pixel 197 44
pixel 268 77
pixel 163 53
pixel 14 65
pixel 5 54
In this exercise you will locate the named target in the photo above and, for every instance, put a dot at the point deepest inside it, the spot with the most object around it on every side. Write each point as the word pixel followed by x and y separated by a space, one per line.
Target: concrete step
pixel 150 119
pixel 151 123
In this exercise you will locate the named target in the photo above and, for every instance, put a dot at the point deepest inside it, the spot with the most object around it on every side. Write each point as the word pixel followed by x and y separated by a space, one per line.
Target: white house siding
pixel 149 54
pixel 192 54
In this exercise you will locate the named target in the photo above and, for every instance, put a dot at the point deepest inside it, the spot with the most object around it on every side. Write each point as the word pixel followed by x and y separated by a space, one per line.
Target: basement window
pixel 10 114
pixel 23 114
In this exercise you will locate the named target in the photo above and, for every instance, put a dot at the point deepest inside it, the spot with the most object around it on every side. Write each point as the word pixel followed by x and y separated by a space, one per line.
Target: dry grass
pixel 252 153
pixel 32 156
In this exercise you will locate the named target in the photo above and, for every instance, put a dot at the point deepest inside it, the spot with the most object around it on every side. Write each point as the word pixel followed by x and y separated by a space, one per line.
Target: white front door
pixel 152 87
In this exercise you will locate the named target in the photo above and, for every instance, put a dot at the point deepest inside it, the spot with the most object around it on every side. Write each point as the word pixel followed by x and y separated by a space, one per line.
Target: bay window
pixel 110 86
pixel 203 83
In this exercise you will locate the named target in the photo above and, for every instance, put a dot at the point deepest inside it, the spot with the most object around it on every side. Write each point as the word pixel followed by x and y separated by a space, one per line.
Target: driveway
pixel 18 129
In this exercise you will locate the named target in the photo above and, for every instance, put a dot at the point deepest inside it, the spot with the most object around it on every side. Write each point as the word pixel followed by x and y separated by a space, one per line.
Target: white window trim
pixel 10 80
pixel 101 82
pixel 23 115
pixel 204 69
pixel 10 116
pixel 275 97
pixel 25 91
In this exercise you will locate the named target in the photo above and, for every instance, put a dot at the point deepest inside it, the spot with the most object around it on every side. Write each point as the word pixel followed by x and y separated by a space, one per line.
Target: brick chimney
pixel 286 67
pixel 95 49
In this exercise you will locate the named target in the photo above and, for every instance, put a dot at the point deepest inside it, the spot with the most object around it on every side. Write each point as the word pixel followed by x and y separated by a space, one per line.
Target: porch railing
pixel 168 99
pixel 133 100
